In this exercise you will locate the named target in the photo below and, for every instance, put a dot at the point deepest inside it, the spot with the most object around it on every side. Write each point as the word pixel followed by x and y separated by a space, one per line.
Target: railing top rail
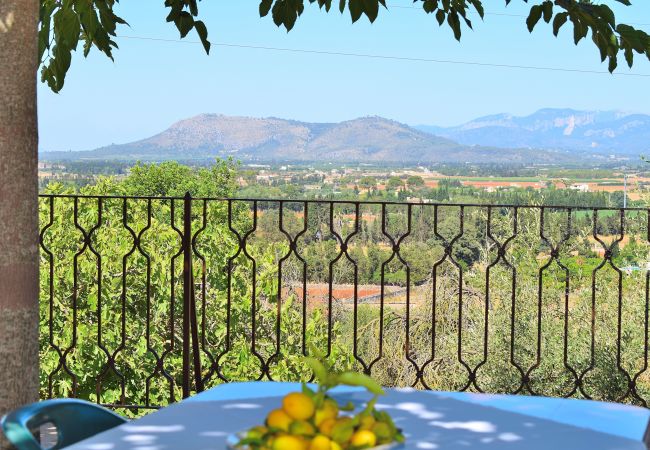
pixel 348 202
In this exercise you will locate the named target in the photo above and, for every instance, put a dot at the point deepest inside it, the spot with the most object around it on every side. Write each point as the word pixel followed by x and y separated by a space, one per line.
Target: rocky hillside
pixel 371 139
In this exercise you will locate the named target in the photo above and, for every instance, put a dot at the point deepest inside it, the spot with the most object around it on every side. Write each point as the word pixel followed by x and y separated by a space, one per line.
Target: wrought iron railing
pixel 145 300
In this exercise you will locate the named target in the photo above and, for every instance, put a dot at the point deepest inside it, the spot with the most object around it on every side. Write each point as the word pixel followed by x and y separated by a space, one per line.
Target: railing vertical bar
pixel 199 379
pixel 187 291
pixel 303 331
pixel 330 282
pixel 278 302
pixel 98 380
pixel 196 355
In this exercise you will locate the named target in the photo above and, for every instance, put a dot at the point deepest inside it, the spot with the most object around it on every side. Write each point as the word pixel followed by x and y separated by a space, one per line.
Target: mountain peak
pixel 364 139
pixel 558 129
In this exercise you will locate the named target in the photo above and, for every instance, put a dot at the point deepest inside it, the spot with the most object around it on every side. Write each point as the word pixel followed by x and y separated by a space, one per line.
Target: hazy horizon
pixel 413 125
pixel 140 94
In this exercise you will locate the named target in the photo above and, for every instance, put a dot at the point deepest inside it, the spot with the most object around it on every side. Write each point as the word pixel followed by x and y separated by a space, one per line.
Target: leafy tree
pixel 173 179
pixel 414 182
pixel 44 33
pixel 368 183
pixel 395 183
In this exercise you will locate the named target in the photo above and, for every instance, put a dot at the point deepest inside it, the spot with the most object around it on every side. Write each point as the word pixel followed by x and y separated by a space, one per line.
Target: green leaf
pixel 355 9
pixel 560 19
pixel 285 12
pixel 342 431
pixel 547 8
pixel 613 63
pixel 202 31
pixel 320 371
pixel 606 13
pixel 371 9
pixel 534 16
pixel 629 56
pixel 454 24
pixel 362 380
pixel 184 22
pixel 478 6
pixel 265 7
pixel 349 406
pixel 429 6
pixel 440 17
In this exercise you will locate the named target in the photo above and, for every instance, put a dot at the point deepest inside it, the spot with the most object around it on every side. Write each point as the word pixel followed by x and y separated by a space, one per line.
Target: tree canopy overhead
pixel 66 24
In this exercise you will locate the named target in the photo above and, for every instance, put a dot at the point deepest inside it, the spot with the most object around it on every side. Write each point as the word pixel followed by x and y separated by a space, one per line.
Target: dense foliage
pixel 494 295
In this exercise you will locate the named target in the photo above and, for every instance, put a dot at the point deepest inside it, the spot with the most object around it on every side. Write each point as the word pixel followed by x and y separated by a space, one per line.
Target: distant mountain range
pixel 601 132
pixel 548 136
pixel 368 139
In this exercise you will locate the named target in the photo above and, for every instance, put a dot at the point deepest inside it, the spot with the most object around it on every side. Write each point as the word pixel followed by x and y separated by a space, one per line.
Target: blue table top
pixel 612 418
pixel 430 420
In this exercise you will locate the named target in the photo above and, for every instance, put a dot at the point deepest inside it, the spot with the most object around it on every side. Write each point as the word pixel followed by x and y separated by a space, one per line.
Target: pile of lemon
pixel 309 421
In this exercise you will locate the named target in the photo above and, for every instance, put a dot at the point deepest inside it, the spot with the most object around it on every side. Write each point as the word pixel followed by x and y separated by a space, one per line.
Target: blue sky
pixel 152 84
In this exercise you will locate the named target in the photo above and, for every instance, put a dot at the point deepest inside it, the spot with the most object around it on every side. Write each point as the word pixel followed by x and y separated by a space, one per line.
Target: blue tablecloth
pixel 431 420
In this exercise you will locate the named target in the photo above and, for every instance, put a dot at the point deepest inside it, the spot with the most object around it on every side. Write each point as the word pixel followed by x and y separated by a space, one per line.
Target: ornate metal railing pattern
pixel 145 300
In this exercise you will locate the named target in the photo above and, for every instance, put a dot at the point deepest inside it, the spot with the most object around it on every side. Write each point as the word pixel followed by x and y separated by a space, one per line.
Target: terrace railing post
pixel 187 290
pixel 190 326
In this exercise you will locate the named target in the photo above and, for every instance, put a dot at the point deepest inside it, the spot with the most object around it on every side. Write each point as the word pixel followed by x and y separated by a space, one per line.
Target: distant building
pixel 580 187
pixel 418 200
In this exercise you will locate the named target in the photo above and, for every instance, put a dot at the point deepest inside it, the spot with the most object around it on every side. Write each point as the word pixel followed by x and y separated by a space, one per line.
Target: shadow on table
pixel 429 422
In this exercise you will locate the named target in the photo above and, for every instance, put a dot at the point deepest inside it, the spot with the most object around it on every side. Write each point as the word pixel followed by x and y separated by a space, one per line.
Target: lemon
pixel 288 442
pixel 298 405
pixel 366 422
pixel 326 426
pixel 302 428
pixel 335 446
pixel 320 442
pixel 329 410
pixel 278 419
pixel 363 438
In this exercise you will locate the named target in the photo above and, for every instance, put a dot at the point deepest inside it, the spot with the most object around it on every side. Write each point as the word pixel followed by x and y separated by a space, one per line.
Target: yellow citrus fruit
pixel 363 438
pixel 320 442
pixel 298 405
pixel 278 419
pixel 329 410
pixel 326 426
pixel 335 446
pixel 302 428
pixel 366 422
pixel 288 442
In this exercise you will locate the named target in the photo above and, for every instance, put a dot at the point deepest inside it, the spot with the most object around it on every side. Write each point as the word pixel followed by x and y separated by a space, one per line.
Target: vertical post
pixel 187 290
pixel 198 380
